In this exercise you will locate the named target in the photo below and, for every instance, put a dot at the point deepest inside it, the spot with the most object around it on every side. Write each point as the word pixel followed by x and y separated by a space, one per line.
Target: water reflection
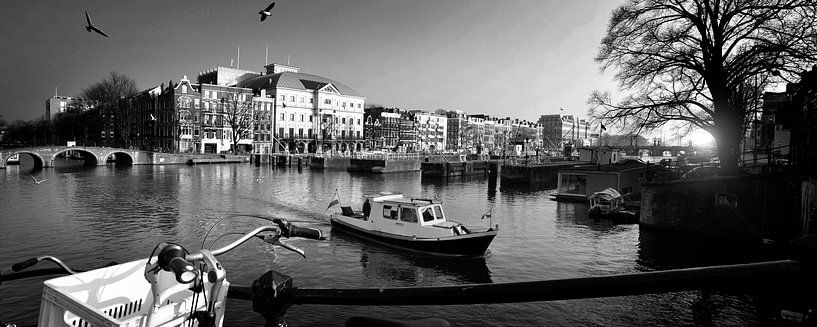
pixel 386 267
pixel 661 250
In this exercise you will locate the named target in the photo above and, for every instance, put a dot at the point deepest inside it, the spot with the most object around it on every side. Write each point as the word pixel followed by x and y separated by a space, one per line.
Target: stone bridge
pixel 94 156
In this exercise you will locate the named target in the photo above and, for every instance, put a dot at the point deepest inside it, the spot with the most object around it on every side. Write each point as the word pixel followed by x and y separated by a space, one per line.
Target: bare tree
pixel 238 116
pixel 105 96
pixel 703 63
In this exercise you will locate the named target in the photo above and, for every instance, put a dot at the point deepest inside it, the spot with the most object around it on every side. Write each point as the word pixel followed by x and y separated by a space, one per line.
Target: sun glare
pixel 700 138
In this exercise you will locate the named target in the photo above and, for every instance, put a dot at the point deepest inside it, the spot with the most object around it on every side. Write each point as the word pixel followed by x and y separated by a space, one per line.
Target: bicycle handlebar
pixel 25 264
pixel 305 232
pixel 286 229
pixel 33 261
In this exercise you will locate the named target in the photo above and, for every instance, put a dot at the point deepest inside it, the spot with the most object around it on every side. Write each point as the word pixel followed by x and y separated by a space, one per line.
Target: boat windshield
pixel 427 214
pixel 431 213
pixel 438 211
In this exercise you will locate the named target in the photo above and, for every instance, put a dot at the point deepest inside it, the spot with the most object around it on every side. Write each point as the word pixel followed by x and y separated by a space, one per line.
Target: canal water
pixel 89 216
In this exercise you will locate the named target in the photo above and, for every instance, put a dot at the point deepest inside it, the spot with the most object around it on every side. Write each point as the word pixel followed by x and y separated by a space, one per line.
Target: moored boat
pixel 609 204
pixel 412 224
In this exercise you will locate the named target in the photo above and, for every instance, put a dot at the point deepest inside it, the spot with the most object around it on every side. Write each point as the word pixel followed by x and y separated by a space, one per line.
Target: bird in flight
pixel 266 12
pixel 38 181
pixel 91 27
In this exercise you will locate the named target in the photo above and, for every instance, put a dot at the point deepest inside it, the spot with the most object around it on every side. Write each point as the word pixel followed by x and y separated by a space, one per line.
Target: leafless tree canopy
pixel 104 97
pixel 238 116
pixel 703 63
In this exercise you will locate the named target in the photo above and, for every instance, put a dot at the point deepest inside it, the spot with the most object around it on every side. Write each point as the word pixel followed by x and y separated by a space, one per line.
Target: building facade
pixel 561 129
pixel 311 114
pixel 59 104
pixel 191 118
pixel 432 130
pixel 381 128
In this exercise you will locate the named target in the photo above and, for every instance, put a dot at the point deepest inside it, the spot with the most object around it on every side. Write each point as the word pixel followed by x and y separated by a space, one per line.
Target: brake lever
pixel 275 239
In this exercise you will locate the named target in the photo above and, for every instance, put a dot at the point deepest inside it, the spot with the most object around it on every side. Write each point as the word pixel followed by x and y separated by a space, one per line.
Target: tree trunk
pixel 727 136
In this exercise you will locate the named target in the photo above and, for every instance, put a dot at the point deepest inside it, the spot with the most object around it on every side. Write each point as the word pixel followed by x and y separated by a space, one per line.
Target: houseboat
pixel 611 205
pixel 418 225
pixel 580 182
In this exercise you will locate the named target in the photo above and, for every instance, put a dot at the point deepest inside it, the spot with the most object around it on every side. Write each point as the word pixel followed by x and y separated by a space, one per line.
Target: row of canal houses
pixel 283 110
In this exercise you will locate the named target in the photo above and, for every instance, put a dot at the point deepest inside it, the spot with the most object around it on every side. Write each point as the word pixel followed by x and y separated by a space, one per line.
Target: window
pixel 310 118
pixel 427 215
pixel 358 121
pixel 343 134
pixel 291 117
pixel 343 120
pixel 196 103
pixel 408 215
pixel 327 101
pixel 343 104
pixel 282 116
pixel 281 132
pixel 388 213
pixel 438 211
pixel 358 105
pixel 309 133
pixel 302 100
pixel 302 117
pixel 575 184
pixel 283 98
pixel 310 100
pixel 291 98
pixel 184 88
pixel 291 132
pixel 300 133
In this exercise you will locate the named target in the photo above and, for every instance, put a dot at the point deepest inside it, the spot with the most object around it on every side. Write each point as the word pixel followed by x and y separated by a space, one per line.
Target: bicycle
pixel 172 288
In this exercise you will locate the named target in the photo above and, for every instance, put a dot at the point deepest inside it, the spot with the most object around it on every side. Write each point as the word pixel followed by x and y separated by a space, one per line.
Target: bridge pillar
pixel 2 160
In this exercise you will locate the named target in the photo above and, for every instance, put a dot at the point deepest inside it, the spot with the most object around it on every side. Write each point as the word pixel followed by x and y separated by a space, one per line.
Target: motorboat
pixel 610 204
pixel 413 224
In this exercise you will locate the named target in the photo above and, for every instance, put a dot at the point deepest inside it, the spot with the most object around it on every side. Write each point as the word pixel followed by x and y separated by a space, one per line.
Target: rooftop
pixel 297 81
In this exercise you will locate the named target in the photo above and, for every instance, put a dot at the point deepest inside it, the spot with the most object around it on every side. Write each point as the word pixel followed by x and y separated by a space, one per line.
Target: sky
pixel 518 59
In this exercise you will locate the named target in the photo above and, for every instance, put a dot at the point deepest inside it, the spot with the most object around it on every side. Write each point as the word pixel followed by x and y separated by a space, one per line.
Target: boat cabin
pixel 392 213
pixel 580 182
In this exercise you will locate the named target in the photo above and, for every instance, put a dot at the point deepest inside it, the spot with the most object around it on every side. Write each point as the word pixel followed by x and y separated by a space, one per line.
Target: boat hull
pixel 474 244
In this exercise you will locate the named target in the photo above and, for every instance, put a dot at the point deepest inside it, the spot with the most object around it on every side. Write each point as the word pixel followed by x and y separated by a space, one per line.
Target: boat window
pixel 427 214
pixel 438 211
pixel 388 213
pixel 574 184
pixel 408 215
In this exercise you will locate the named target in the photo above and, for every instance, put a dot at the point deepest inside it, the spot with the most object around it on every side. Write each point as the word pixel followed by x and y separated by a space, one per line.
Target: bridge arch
pixel 39 163
pixel 89 157
pixel 119 158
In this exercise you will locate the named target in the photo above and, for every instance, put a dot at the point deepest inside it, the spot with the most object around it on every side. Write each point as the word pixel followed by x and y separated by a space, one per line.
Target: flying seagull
pixel 38 181
pixel 266 12
pixel 91 27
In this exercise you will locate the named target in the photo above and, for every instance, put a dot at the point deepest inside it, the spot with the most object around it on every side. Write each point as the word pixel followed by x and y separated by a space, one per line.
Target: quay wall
pixel 384 166
pixel 748 208
pixel 457 168
pixel 330 163
pixel 534 174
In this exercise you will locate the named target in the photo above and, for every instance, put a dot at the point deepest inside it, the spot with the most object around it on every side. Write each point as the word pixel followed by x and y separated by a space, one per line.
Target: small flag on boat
pixel 335 201
pixel 487 213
